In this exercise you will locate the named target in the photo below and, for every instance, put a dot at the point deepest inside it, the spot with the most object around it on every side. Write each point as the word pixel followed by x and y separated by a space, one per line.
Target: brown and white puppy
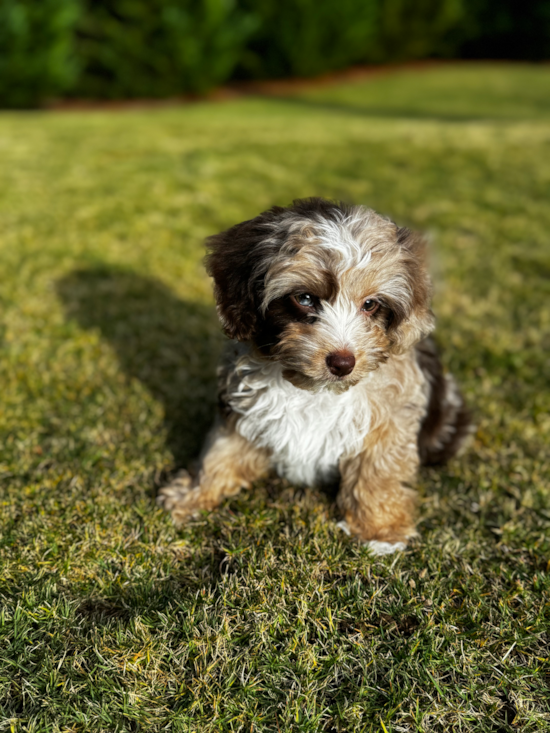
pixel 329 375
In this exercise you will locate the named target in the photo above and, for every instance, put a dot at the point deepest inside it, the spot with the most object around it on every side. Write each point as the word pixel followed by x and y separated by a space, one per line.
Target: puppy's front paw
pixel 376 547
pixel 181 498
pixel 176 490
pixel 384 548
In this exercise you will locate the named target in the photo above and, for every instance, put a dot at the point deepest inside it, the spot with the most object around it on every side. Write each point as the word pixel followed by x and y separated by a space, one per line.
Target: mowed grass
pixel 263 616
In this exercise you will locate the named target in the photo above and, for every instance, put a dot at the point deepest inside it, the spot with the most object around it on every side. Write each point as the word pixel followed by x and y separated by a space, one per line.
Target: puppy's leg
pixel 377 504
pixel 230 463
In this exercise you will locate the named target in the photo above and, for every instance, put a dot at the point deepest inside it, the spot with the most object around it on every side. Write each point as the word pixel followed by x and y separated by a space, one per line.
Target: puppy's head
pixel 327 289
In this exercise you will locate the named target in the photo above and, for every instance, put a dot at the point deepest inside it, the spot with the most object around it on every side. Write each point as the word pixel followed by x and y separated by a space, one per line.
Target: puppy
pixel 329 375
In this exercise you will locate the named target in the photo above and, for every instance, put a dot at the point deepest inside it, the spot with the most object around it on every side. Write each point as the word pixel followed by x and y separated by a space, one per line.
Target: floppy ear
pixel 237 260
pixel 417 321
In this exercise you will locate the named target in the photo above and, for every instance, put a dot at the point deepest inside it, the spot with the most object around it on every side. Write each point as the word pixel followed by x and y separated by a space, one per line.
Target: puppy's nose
pixel 340 363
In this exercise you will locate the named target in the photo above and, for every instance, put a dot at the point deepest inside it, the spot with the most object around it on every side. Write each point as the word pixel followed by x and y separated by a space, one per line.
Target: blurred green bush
pixel 37 58
pixel 157 48
pixel 308 37
pixel 417 29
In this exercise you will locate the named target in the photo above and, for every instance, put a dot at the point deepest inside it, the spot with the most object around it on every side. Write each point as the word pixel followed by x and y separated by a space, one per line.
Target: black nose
pixel 340 363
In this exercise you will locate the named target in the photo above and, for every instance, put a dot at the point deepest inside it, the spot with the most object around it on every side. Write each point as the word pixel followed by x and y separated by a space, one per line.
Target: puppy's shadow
pixel 171 345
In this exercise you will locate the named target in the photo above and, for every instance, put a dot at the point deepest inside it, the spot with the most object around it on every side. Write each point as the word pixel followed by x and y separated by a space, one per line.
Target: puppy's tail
pixel 448 422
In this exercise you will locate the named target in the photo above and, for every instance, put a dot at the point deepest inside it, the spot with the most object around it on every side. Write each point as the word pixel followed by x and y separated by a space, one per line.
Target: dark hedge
pixel 507 29
pixel 308 37
pixel 157 48
pixel 37 58
pixel 416 29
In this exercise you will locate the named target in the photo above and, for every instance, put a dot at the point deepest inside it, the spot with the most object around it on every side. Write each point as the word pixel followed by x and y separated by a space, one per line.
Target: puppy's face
pixel 328 290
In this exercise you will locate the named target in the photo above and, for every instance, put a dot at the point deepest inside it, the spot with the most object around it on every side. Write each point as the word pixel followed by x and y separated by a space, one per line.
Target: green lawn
pixel 263 616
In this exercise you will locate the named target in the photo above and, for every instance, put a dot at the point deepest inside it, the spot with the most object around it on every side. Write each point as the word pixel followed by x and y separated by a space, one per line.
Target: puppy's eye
pixel 370 307
pixel 305 300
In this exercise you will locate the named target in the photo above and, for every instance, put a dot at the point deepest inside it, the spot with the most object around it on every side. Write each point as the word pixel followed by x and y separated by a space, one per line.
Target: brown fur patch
pixel 375 495
pixel 448 422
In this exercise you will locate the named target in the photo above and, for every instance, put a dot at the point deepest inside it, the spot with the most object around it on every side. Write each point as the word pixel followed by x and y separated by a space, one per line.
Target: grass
pixel 262 616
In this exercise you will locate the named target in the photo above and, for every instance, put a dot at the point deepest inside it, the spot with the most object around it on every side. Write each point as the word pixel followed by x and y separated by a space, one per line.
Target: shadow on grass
pixel 170 345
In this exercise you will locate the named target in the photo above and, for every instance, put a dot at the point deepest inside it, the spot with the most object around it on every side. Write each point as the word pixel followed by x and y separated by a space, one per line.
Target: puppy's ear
pixel 416 321
pixel 413 242
pixel 237 260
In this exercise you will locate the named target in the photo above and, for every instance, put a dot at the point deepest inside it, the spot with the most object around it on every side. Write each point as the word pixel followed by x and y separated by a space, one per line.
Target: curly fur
pixel 330 374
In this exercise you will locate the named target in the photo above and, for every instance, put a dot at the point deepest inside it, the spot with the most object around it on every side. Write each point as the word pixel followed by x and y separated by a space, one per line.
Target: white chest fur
pixel 306 432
